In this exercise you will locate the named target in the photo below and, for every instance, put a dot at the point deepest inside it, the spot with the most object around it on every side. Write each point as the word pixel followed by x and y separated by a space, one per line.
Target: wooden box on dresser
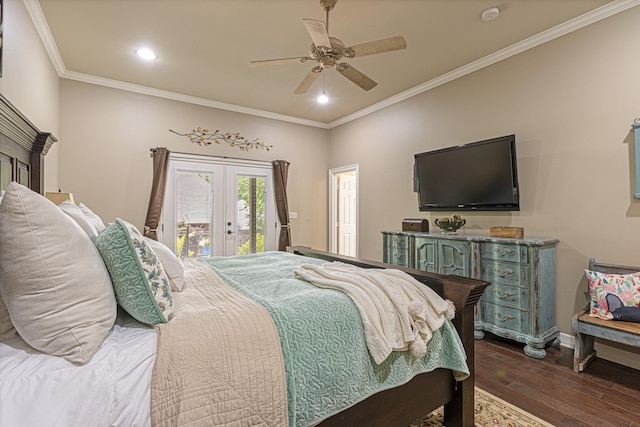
pixel 520 303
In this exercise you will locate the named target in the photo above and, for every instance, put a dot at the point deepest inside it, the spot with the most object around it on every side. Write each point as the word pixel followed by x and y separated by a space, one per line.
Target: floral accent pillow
pixel 626 287
pixel 141 285
pixel 172 264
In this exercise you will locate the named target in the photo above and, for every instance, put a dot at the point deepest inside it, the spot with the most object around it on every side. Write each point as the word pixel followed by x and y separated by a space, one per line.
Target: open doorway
pixel 343 210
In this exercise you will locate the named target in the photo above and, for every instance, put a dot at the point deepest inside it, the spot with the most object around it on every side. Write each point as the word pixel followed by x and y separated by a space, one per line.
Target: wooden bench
pixel 586 328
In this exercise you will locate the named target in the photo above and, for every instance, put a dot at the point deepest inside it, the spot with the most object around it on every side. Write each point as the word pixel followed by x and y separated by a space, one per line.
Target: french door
pixel 218 207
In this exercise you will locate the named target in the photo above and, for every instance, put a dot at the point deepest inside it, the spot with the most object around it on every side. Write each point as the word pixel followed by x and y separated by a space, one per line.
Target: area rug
pixel 490 411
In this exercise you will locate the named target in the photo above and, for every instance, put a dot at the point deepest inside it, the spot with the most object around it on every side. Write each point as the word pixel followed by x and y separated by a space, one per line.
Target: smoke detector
pixel 490 14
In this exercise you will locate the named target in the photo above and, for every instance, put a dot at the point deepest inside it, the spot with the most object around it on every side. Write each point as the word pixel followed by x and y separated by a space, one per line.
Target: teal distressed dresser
pixel 520 304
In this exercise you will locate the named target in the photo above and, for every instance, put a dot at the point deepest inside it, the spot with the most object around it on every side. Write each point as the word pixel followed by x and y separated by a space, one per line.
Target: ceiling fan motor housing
pixel 328 4
pixel 336 51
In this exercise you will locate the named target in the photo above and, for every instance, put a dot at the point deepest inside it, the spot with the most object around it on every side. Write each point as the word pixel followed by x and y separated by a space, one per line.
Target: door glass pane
pixel 193 213
pixel 250 217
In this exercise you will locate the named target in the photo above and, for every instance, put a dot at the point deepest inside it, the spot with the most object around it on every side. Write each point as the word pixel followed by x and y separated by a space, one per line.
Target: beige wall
pixel 570 102
pixel 29 80
pixel 105 161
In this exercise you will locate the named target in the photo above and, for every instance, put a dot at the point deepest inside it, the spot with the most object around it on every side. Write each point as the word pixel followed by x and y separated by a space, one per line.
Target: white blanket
pixel 398 312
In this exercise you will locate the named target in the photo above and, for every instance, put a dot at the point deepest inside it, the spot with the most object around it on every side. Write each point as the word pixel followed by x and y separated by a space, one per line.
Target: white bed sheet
pixel 113 389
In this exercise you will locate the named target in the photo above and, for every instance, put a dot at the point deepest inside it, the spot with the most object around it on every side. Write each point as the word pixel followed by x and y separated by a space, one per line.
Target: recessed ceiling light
pixel 490 14
pixel 146 53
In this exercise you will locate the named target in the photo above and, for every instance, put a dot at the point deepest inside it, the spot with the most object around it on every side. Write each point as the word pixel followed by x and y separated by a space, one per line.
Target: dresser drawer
pixel 505 317
pixel 503 252
pixel 399 257
pixel 397 241
pixel 506 273
pixel 507 296
pixel 396 249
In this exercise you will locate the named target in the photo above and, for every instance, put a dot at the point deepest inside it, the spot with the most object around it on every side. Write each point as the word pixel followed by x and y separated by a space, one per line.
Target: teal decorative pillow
pixel 604 288
pixel 140 283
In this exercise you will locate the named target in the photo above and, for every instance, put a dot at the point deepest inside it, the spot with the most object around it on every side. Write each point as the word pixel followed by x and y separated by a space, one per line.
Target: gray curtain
pixel 160 161
pixel 280 173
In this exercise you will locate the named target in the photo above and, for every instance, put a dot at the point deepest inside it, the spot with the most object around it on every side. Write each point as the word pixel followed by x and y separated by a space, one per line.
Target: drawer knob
pixel 503 317
pixel 503 273
pixel 503 294
pixel 502 252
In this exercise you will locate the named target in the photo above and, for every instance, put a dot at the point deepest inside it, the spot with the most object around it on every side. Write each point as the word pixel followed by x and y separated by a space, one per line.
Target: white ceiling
pixel 204 47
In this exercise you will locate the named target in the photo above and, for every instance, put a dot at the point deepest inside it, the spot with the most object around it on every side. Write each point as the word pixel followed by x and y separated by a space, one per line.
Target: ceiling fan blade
pixel 379 46
pixel 356 76
pixel 318 32
pixel 279 61
pixel 306 83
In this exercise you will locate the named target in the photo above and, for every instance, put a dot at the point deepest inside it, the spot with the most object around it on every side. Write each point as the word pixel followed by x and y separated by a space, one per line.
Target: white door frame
pixel 235 165
pixel 333 206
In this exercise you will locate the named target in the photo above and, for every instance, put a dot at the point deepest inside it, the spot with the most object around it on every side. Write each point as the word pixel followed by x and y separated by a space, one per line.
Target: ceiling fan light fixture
pixel 146 53
pixel 323 98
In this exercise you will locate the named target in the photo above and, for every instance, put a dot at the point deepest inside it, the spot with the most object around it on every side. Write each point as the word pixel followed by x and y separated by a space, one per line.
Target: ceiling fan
pixel 329 51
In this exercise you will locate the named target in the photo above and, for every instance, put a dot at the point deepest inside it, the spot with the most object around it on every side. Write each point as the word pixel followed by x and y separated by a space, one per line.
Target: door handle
pixel 229 232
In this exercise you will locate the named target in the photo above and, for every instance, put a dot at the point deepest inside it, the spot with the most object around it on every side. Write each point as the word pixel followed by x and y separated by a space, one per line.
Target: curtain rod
pixel 153 150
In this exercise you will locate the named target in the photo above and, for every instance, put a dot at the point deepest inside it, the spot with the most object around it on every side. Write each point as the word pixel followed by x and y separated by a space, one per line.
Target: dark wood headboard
pixel 22 149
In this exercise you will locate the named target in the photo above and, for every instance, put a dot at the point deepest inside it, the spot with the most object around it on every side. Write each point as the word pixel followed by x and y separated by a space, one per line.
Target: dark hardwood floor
pixel 605 394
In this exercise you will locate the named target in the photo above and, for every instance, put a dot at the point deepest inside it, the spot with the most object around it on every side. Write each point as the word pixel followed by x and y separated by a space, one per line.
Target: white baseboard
pixel 567 340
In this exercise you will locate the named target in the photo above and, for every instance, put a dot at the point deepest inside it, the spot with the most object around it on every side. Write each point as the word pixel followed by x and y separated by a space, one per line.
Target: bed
pixel 131 378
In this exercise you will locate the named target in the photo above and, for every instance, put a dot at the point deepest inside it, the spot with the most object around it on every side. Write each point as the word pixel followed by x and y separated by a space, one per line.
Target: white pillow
pixel 80 218
pixel 6 327
pixel 92 217
pixel 5 321
pixel 171 264
pixel 52 279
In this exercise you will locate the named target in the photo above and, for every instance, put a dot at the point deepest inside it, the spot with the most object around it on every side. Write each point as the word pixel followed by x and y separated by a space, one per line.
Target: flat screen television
pixel 479 176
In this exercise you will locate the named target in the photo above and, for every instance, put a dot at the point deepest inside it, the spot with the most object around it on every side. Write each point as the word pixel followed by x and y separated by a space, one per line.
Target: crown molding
pixel 617 6
pixel 35 11
pixel 145 90
pixel 529 43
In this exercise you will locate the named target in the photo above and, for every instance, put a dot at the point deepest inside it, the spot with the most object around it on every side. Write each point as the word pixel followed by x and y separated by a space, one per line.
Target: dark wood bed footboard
pixel 426 392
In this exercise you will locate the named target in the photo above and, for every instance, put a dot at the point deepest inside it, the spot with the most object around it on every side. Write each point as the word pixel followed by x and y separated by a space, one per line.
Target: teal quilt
pixel 327 363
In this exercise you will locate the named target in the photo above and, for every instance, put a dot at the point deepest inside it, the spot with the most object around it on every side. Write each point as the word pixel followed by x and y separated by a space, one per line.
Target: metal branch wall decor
pixel 204 137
